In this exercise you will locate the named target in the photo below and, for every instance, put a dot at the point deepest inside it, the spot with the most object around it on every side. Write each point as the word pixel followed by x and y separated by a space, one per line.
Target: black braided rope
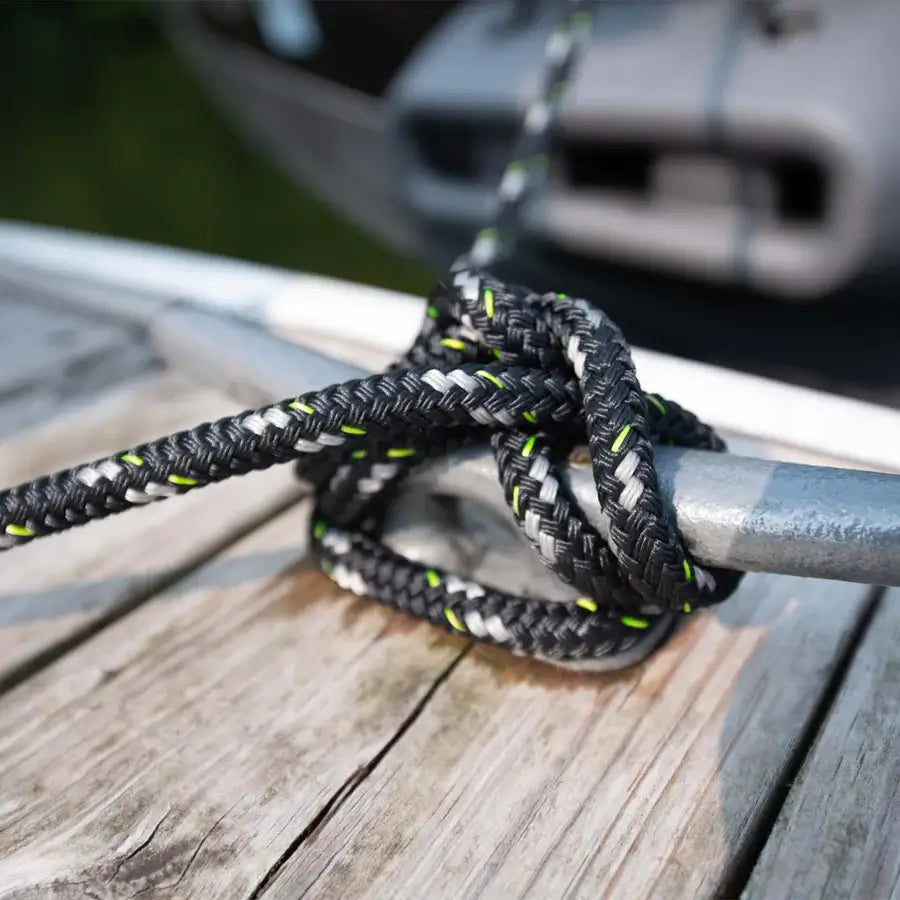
pixel 529 163
pixel 534 375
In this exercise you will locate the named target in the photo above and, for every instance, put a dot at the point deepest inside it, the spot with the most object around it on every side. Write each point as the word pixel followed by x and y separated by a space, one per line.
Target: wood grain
pixel 54 589
pixel 51 359
pixel 839 832
pixel 185 749
pixel 74 387
pixel 36 341
pixel 251 731
pixel 518 780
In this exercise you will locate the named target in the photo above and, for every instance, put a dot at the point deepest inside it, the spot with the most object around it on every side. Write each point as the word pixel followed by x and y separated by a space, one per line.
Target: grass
pixel 107 131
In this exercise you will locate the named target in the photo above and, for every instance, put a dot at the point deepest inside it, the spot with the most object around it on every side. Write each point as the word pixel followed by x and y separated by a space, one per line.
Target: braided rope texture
pixel 535 375
pixel 529 163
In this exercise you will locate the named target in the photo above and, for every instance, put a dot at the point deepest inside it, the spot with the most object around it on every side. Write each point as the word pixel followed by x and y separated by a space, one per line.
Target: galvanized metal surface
pixel 734 512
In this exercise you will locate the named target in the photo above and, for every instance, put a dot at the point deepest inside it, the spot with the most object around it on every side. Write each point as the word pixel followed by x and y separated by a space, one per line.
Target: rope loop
pixel 482 345
pixel 532 374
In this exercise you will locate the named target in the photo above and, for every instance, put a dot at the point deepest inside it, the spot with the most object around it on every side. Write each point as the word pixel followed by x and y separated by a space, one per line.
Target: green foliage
pixel 106 130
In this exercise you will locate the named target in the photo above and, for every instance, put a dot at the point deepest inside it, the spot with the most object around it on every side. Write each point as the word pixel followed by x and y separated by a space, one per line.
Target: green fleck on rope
pixel 620 439
pixel 182 480
pixel 497 353
pixel 529 446
pixel 432 577
pixel 20 531
pixel 319 530
pixel 688 574
pixel 492 378
pixel 453 619
pixel 631 622
pixel 400 452
pixel 515 499
pixel 687 608
pixel 529 417
pixel 132 458
pixel 303 407
pixel 432 312
pixel 656 402
pixel 453 343
pixel 352 429
pixel 489 303
pixel 359 454
pixel 583 19
pixel 586 603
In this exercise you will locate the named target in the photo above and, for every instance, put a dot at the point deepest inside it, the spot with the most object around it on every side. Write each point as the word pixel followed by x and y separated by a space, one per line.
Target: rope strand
pixel 534 374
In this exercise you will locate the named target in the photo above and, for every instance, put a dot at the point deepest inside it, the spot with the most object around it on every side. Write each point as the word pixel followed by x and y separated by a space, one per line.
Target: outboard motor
pixel 746 143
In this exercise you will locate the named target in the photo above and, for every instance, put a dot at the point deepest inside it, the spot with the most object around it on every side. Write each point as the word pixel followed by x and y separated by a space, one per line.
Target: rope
pixel 530 160
pixel 534 374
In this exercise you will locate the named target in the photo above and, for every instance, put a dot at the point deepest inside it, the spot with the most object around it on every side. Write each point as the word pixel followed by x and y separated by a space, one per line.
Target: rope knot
pixel 535 375
pixel 532 374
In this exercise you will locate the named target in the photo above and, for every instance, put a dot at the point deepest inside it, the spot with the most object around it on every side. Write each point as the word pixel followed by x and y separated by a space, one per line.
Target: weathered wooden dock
pixel 189 709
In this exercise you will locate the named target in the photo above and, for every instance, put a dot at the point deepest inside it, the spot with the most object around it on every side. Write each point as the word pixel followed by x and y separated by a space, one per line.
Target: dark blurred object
pixel 357 43
pixel 714 159
pixel 306 79
pixel 41 40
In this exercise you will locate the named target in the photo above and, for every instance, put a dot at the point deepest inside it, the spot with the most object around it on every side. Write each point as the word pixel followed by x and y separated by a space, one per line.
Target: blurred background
pixel 106 128
pixel 724 181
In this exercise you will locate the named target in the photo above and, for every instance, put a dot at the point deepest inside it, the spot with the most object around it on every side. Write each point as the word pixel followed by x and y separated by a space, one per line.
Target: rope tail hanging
pixel 534 374
pixel 530 160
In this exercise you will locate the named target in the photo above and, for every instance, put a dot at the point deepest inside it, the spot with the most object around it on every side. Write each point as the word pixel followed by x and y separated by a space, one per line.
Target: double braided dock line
pixel 534 375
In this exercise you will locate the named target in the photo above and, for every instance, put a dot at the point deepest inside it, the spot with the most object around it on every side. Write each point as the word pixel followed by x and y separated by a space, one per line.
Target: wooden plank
pixel 74 386
pixel 51 359
pixel 651 782
pixel 36 341
pixel 839 831
pixel 519 780
pixel 187 747
pixel 56 589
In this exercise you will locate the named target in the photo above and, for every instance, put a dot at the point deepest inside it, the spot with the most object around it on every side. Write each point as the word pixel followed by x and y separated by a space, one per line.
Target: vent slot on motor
pixel 791 189
pixel 463 150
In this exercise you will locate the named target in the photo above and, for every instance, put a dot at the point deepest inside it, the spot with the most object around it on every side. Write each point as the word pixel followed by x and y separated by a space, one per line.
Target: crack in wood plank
pixel 143 844
pixel 735 879
pixel 356 778
pixel 278 688
pixel 192 858
pixel 838 832
pixel 518 779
